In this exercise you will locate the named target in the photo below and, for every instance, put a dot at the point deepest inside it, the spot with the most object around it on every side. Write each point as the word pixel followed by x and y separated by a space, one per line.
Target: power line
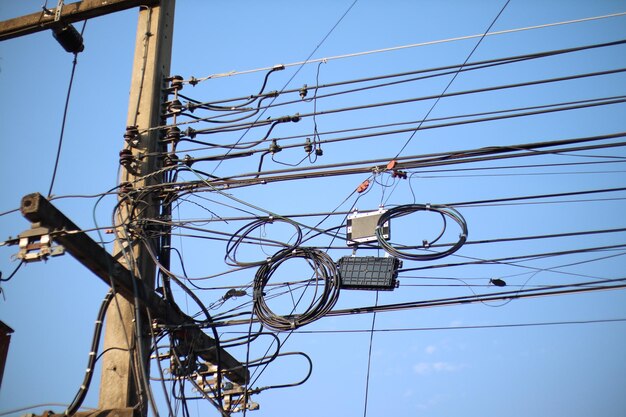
pixel 469 327
pixel 414 45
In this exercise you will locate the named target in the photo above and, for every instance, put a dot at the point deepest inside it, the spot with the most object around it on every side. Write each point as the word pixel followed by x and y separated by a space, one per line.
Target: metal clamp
pixel 36 244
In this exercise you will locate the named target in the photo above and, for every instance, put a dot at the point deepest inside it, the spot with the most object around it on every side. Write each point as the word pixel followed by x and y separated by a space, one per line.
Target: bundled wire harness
pixel 444 211
pixel 324 273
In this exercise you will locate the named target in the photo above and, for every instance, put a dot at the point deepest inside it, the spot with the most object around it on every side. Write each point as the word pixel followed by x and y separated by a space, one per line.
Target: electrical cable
pixel 369 359
pixel 574 288
pixel 95 342
pixel 325 271
pixel 395 48
pixel 298 71
pixel 476 327
pixel 399 211
pixel 453 78
pixel 240 235
pixel 438 71
pixel 249 125
pixel 63 120
pixel 12 274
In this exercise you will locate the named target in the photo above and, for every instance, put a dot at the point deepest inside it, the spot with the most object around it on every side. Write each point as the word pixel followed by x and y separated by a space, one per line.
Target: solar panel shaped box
pixel 369 273
pixel 361 227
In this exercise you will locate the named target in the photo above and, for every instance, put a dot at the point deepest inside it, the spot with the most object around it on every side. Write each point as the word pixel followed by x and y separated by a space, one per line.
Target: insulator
pixel 131 136
pixel 304 91
pixel 319 152
pixel 308 147
pixel 170 160
pixel 176 82
pixel 174 106
pixel 69 38
pixel 173 134
pixel 190 133
pixel 126 157
pixel 275 147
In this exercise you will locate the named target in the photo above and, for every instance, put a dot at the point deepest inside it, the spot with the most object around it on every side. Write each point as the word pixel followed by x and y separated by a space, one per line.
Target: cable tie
pixel 257 294
pixel 92 353
pixel 427 206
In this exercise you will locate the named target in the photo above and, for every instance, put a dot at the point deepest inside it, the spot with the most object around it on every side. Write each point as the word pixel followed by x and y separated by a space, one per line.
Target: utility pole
pixel 131 270
pixel 122 364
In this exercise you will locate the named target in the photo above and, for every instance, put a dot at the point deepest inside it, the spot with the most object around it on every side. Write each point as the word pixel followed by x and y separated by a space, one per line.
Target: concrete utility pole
pixel 121 367
pixel 131 271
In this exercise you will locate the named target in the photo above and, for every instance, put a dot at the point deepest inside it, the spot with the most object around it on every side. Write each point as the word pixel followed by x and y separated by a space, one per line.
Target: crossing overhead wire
pixel 553 290
pixel 414 45
pixel 417 161
pixel 470 327
pixel 456 74
pixel 301 66
pixel 436 72
pixel 498 114
pixel 518 258
pixel 246 126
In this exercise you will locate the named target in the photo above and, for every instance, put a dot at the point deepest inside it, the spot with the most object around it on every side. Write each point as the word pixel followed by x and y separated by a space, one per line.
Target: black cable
pixel 242 234
pixel 65 111
pixel 12 274
pixel 406 209
pixel 493 22
pixel 325 271
pixel 298 71
pixel 483 326
pixel 91 362
pixel 369 359
pixel 575 288
pixel 468 66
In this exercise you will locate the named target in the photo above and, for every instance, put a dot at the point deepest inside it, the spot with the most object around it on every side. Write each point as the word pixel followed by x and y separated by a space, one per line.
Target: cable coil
pixel 324 269
pixel 406 209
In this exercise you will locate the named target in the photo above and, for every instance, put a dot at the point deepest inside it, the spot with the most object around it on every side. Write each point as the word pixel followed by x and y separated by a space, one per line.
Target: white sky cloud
pixel 424 368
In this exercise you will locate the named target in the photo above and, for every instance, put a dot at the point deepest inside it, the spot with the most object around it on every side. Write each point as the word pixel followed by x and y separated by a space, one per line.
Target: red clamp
pixel 364 186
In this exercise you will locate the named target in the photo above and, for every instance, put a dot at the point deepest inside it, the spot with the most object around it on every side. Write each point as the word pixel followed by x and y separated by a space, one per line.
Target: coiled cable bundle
pixel 242 234
pixel 444 211
pixel 324 273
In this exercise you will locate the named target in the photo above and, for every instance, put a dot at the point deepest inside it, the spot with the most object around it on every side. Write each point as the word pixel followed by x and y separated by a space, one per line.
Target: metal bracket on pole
pixel 57 12
pixel 36 244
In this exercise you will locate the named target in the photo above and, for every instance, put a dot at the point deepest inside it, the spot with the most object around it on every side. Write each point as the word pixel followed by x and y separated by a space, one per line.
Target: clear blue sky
pixel 437 368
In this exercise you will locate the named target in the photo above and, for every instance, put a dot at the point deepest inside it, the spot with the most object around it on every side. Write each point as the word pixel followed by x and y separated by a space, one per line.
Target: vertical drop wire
pixel 65 111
